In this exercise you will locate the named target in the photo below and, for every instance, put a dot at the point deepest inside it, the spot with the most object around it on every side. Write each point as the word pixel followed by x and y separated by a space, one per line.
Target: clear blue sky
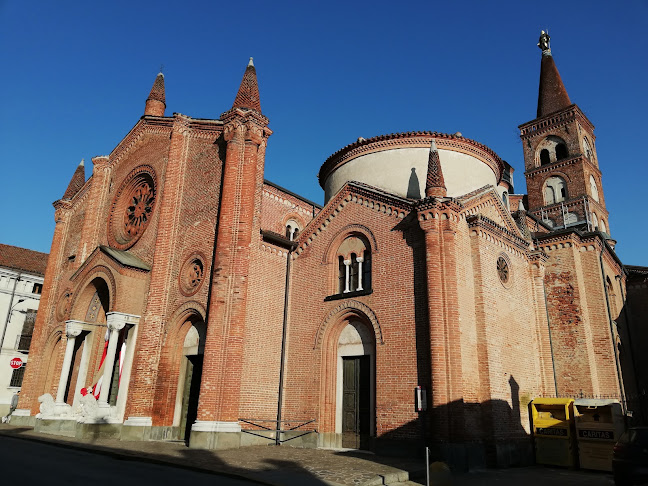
pixel 75 76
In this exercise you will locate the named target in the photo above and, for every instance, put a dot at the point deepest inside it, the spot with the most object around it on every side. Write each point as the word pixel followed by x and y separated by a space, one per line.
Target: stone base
pixel 22 420
pixel 65 428
pixel 72 428
pixel 215 440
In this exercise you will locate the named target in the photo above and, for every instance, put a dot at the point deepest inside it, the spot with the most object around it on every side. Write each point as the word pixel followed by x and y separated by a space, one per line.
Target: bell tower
pixel 561 166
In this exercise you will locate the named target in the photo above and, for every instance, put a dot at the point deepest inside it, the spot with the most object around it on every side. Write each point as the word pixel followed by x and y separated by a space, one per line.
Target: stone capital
pixel 234 131
pixel 117 320
pixel 100 162
pixel 73 328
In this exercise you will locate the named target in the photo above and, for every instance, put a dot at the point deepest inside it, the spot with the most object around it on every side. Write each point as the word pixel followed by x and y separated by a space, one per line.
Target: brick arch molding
pixel 349 307
pixel 349 230
pixel 88 276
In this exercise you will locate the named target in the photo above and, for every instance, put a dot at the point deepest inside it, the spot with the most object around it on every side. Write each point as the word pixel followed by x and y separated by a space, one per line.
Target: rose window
pixel 503 269
pixel 139 212
pixel 132 208
pixel 192 275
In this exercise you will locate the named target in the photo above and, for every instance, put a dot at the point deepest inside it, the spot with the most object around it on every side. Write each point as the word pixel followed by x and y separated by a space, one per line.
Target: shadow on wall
pixel 632 329
pixel 491 435
pixel 413 187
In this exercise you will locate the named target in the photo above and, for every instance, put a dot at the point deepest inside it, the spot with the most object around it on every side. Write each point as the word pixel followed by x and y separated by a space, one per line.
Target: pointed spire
pixel 248 93
pixel 521 206
pixel 434 184
pixel 156 101
pixel 552 95
pixel 77 181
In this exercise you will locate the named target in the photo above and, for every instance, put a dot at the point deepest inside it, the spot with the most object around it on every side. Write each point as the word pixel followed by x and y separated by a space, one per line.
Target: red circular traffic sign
pixel 16 363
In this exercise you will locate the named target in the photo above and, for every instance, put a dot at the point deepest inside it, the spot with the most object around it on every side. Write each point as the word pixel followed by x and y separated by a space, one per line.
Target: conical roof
pixel 77 181
pixel 434 183
pixel 552 95
pixel 248 93
pixel 157 91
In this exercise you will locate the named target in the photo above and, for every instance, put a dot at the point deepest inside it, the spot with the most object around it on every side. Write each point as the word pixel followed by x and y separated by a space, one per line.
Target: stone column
pixel 360 260
pixel 116 323
pixel 72 331
pixel 347 265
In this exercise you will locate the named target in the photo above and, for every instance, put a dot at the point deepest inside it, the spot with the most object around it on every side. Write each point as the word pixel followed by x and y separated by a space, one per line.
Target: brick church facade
pixel 186 297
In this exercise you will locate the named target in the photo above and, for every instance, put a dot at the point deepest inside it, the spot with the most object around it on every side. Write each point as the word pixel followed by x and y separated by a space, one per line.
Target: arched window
pixel 588 148
pixel 561 151
pixel 354 265
pixel 603 227
pixel 292 229
pixel 551 149
pixel 555 190
pixel 594 188
pixel 595 222
pixel 505 199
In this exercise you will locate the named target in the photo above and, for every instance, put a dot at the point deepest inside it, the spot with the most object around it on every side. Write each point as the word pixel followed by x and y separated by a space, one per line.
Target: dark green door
pixel 190 394
pixel 356 402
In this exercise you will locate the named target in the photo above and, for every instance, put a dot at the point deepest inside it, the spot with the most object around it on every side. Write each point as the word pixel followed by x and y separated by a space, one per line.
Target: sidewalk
pixel 270 465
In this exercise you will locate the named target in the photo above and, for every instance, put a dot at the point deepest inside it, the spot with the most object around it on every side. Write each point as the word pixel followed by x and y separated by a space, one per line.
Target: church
pixel 188 298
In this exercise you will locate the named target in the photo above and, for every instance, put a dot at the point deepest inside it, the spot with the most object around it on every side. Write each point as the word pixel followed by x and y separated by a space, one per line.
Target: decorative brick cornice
pixel 488 196
pixel 421 139
pixel 244 114
pixel 554 120
pixel 353 193
pixel 145 125
pixel 543 169
pixel 486 225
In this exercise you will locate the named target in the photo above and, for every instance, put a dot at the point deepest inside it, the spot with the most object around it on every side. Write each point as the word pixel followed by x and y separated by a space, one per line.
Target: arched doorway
pixel 191 365
pixel 91 307
pixel 355 386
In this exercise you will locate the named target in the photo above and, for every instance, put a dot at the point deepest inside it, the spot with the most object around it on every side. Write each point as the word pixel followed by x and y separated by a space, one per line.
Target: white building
pixel 21 282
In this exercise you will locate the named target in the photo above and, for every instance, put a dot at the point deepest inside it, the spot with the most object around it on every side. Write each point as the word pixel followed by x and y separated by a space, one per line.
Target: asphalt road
pixel 25 462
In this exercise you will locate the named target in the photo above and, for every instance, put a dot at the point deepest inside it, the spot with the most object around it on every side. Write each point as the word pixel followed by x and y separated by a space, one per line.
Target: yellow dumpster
pixel 599 424
pixel 553 431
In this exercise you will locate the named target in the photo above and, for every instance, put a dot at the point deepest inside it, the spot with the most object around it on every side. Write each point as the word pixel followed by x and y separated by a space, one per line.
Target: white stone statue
pixel 47 406
pixel 88 407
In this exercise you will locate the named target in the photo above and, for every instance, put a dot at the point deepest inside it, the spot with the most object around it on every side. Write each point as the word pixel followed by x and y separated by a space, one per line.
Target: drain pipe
pixel 284 332
pixel 616 352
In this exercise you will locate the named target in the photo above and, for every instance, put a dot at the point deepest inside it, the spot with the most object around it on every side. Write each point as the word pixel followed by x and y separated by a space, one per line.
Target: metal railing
pixel 278 428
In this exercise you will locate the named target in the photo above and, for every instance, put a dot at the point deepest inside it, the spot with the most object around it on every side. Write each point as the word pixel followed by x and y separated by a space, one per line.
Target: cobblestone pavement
pixel 273 465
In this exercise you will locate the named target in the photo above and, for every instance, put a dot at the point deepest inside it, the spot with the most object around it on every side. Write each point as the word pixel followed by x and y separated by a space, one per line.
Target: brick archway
pixel 327 341
pixel 165 403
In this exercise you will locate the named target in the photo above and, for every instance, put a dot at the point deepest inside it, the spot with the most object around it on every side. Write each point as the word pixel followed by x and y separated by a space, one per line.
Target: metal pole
pixel 11 308
pixel 283 348
pixel 427 466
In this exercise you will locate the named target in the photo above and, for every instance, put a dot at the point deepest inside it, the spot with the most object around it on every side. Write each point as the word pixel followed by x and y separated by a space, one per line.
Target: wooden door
pixel 356 402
